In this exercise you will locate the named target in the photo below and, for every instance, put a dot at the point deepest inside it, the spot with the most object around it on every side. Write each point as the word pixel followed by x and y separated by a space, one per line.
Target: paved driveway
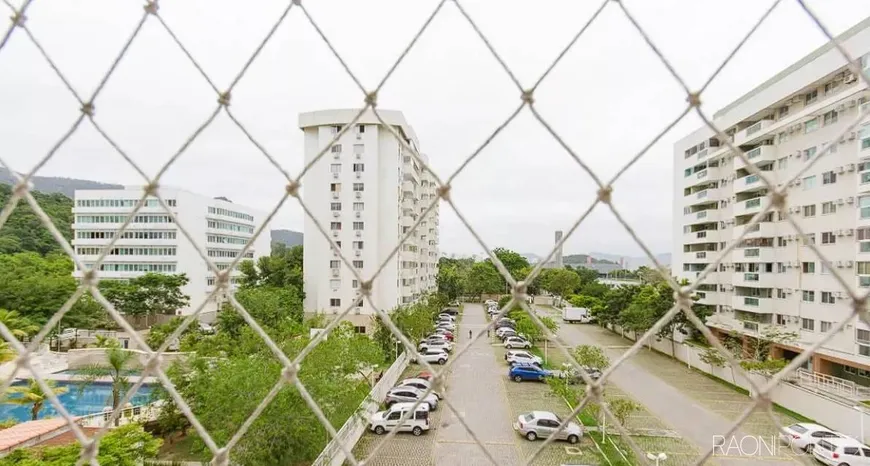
pixel 694 421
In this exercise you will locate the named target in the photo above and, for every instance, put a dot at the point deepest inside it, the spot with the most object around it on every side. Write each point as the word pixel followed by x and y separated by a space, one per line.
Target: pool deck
pixel 60 377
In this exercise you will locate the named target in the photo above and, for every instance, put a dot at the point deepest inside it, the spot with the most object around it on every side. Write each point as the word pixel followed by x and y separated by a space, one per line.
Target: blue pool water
pixel 78 372
pixel 92 399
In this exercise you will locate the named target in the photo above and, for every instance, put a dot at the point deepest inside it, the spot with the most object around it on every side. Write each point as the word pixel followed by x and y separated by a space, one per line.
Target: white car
pixel 433 356
pixel 523 357
pixel 490 302
pixel 420 384
pixel 410 395
pixel 502 330
pixel 436 345
pixel 841 451
pixel 804 435
pixel 447 326
pixel 384 421
pixel 516 342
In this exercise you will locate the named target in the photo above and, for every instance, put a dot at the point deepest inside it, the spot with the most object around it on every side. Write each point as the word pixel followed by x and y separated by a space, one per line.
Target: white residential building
pixel 153 243
pixel 772 278
pixel 367 192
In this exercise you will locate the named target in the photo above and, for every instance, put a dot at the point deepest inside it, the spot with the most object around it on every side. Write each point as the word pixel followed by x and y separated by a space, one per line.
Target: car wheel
pixel 509 346
pixel 417 431
pixel 380 430
pixel 572 439
pixel 532 436
pixel 518 379
pixel 809 448
pixel 442 361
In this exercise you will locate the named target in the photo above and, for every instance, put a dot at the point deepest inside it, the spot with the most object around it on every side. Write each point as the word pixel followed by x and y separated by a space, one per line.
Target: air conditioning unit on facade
pixel 358 195
pixel 357 214
pixel 358 136
pixel 852 103
pixel 336 155
pixel 358 175
pixel 840 201
pixel 789 290
pixel 850 167
pixel 841 169
pixel 357 253
pixel 849 264
pixel 358 233
pixel 797 182
pixel 335 176
pixel 841 107
pixel 335 233
pixel 840 264
pixel 336 213
pixel 357 310
pixel 359 156
pixel 852 136
pixel 849 232
pixel 335 194
pixel 840 232
pixel 334 272
pixel 850 200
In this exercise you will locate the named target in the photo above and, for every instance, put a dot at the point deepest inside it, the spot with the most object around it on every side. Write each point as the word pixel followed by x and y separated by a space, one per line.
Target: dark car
pixel 523 372
pixel 450 310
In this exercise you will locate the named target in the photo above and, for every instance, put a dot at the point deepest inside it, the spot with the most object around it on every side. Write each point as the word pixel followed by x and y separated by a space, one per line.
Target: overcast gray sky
pixel 607 98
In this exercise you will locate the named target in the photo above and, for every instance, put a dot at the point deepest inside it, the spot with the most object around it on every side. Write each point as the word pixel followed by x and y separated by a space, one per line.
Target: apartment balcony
pixel 701 177
pixel 751 131
pixel 752 304
pixel 704 236
pixel 698 257
pixel 750 206
pixel 409 186
pixel 753 279
pixel 702 197
pixel 756 156
pixel 757 254
pixel 710 298
pixel 701 216
pixel 759 230
pixel 747 183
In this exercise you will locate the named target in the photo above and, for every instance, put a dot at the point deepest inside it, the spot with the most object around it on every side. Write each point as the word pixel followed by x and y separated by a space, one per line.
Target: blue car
pixel 521 372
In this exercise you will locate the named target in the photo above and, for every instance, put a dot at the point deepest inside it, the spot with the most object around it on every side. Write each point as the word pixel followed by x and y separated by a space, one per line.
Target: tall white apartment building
pixel 367 191
pixel 772 279
pixel 154 243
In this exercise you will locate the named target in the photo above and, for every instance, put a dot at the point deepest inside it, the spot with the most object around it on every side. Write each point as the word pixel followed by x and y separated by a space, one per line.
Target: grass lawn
pixel 553 357
pixel 181 449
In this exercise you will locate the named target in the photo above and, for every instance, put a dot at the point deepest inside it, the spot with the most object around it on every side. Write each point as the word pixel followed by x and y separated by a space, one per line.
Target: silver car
pixel 410 395
pixel 544 424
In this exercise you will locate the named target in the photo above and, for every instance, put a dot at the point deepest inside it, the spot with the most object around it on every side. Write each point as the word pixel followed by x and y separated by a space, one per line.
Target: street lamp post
pixel 861 413
pixel 657 457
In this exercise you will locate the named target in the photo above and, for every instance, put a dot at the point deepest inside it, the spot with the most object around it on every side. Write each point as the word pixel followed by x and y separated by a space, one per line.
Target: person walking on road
pixel 469 334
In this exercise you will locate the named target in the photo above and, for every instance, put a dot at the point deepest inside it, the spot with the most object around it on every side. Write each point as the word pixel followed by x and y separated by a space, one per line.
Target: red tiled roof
pixel 20 433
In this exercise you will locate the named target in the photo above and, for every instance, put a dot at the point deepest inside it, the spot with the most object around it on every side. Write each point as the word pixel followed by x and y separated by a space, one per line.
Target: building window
pixel 830 117
pixel 782 163
pixel 358 187
pixel 809 210
pixel 809 182
pixel 862 336
pixel 335 226
pixel 358 206
pixel 354 284
pixel 335 302
pixel 335 149
pixel 359 328
pixel 361 129
pixel 335 207
pixel 357 264
pixel 335 187
pixel 825 326
pixel 780 293
pixel 811 96
pixel 828 297
pixel 829 208
pixel 831 87
pixel 359 225
pixel 811 126
pixel 335 284
pixel 808 267
pixel 334 264
pixel 357 245
pixel 828 237
pixel 335 168
pixel 783 111
pixel 359 167
pixel 864 204
pixel 809 238
pixel 829 178
pixel 809 153
pixel 808 296
pixel 808 324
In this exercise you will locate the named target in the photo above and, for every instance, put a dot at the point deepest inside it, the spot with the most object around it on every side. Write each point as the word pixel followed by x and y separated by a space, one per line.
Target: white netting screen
pixel 368 98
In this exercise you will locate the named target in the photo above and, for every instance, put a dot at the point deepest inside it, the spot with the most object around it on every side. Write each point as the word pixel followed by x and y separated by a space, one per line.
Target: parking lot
pixel 478 387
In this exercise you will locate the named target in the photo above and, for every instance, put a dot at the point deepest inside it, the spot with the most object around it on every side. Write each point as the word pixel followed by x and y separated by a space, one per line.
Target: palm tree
pixel 19 325
pixel 6 353
pixel 32 394
pixel 102 341
pixel 117 360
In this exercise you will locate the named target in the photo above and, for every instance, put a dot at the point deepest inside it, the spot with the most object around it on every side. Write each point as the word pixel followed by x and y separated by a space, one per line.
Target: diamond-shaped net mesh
pixel 369 98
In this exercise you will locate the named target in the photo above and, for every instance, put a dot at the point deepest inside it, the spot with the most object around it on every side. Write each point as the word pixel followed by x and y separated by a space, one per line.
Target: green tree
pixel 512 261
pixel 616 301
pixel 118 363
pixel 20 326
pixel 24 231
pixel 622 408
pixel 6 352
pixel 159 333
pixel 587 276
pixel 269 306
pixel 34 285
pixel 282 268
pixel 483 278
pixel 450 282
pixel 127 445
pixel 594 305
pixel 560 282
pixel 649 276
pixel 594 289
pixel 32 395
pixel 591 356
pixel 146 295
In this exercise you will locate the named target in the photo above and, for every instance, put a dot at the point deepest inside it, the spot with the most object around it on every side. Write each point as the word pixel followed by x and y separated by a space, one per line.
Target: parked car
pixel 384 421
pixel 543 424
pixel 522 372
pixel 446 317
pixel 425 375
pixel 446 334
pixel 516 342
pixel 432 355
pixel 841 451
pixel 502 330
pixel 523 357
pixel 510 353
pixel 447 326
pixel 804 435
pixel 438 345
pixel 452 310
pixel 489 302
pixel 410 395
pixel 420 384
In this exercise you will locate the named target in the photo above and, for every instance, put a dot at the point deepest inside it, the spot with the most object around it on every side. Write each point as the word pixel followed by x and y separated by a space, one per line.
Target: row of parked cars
pixel 525 366
pixel 436 348
pixel 399 402
pixel 827 446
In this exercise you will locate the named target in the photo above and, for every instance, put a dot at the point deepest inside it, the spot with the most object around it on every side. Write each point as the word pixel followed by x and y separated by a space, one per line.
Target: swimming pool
pixel 78 372
pixel 92 399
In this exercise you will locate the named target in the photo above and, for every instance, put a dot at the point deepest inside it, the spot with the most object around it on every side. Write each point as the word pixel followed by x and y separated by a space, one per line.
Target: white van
pixel 384 421
pixel 841 451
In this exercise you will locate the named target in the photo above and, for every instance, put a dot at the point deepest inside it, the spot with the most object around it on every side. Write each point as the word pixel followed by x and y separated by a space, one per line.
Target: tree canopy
pixel 24 231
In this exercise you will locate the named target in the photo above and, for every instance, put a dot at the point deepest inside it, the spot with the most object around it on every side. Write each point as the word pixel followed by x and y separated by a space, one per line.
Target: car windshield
pixel 798 428
pixel 826 445
pixel 528 417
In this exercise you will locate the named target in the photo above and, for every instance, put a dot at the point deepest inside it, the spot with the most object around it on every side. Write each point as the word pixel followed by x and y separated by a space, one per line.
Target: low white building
pixel 367 191
pixel 154 243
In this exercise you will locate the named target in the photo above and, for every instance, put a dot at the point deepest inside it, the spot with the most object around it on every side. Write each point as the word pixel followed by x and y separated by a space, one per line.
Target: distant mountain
pixel 290 238
pixel 580 259
pixel 53 184
pixel 634 262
